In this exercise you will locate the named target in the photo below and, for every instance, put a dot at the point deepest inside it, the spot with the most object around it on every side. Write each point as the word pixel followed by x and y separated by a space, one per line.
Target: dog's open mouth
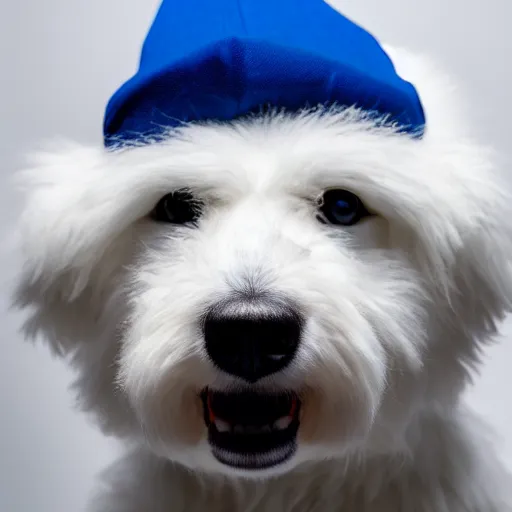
pixel 251 430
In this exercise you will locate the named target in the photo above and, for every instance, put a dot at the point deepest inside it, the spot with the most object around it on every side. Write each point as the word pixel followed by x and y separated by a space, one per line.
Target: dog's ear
pixel 70 242
pixel 475 268
pixel 483 271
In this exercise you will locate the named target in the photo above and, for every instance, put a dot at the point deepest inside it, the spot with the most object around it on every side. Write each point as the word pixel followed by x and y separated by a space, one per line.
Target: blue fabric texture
pixel 222 59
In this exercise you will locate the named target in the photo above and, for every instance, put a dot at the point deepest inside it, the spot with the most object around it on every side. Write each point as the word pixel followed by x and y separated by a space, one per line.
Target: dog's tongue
pixel 211 414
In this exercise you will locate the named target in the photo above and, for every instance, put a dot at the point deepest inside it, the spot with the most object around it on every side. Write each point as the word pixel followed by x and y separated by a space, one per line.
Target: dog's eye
pixel 178 207
pixel 341 207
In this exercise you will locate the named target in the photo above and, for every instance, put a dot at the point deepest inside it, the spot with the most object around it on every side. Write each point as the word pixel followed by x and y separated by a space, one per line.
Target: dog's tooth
pixel 283 423
pixel 265 429
pixel 238 429
pixel 222 426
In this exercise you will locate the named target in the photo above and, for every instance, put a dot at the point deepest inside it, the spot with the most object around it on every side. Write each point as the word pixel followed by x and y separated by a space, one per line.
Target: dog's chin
pixel 249 431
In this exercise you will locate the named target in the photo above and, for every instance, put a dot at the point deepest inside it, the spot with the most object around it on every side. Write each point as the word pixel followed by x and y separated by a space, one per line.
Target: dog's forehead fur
pixel 396 307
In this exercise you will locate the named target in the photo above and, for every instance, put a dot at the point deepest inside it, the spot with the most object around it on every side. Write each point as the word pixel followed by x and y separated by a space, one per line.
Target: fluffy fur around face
pixel 397 307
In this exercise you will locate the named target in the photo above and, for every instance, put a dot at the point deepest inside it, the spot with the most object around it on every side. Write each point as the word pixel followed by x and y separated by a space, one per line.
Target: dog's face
pixel 249 297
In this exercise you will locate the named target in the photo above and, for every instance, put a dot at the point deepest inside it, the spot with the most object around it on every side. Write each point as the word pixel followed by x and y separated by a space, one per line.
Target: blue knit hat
pixel 221 59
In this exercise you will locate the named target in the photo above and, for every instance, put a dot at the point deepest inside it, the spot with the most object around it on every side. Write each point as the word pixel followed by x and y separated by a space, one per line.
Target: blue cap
pixel 222 59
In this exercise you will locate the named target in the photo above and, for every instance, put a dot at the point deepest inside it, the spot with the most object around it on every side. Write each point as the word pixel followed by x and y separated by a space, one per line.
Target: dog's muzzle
pixel 251 429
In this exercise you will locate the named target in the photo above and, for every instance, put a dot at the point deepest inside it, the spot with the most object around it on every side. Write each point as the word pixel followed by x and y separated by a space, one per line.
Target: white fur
pixel 398 306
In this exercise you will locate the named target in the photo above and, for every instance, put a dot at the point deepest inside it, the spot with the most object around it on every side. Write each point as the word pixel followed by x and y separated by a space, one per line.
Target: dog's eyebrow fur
pixel 282 153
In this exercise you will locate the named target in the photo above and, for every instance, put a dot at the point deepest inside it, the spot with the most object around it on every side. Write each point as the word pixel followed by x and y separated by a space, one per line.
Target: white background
pixel 60 60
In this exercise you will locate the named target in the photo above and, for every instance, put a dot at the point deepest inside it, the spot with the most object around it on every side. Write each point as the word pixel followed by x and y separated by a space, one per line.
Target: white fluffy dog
pixel 259 348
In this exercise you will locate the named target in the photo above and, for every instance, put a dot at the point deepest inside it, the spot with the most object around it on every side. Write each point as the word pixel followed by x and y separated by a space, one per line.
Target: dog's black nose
pixel 252 346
